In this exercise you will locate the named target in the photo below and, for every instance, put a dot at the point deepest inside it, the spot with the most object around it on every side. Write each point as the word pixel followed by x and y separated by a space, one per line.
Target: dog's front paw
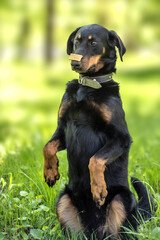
pixel 99 192
pixel 51 175
pixel 98 184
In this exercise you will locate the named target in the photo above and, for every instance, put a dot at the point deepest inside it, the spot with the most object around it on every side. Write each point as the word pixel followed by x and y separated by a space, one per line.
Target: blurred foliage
pixel 31 90
pixel 23 24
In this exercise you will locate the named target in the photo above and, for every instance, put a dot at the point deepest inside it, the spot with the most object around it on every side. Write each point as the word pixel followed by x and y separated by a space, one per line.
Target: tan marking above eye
pixel 90 37
pixel 79 36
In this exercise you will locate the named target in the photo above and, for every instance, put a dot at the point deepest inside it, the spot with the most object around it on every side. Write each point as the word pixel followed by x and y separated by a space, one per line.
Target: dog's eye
pixel 76 42
pixel 93 43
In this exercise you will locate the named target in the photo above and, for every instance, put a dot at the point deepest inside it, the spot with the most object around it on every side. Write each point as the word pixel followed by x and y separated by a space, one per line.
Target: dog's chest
pixel 83 105
pixel 87 113
pixel 84 129
pixel 80 112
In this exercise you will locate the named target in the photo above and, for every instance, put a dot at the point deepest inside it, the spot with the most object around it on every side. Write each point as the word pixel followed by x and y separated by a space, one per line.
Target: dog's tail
pixel 145 200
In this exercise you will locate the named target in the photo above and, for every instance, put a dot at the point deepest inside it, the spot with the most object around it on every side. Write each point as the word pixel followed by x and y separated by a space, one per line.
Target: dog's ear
pixel 114 40
pixel 70 41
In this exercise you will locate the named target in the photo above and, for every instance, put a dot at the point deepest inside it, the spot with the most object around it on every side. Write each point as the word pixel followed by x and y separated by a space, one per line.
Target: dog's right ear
pixel 70 41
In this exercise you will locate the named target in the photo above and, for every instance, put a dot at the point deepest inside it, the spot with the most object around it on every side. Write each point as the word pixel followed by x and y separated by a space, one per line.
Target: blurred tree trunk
pixel 49 31
pixel 22 40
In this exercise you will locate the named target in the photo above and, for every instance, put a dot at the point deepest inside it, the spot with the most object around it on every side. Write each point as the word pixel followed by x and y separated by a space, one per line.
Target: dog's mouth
pixel 87 64
pixel 80 69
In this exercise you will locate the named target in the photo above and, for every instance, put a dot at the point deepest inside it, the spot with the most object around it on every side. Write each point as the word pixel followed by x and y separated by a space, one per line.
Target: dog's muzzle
pixel 76 61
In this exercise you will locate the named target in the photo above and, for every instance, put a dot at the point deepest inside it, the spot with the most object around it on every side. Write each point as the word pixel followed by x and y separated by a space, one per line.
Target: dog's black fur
pixel 86 134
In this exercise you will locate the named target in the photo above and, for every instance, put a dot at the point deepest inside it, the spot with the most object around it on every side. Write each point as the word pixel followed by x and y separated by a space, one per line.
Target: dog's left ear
pixel 70 41
pixel 114 40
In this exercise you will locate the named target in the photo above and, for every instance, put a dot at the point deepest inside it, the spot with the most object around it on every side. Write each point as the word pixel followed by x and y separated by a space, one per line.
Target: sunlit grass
pixel 29 101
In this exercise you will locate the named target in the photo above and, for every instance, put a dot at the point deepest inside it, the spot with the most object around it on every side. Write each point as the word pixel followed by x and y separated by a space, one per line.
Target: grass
pixel 29 103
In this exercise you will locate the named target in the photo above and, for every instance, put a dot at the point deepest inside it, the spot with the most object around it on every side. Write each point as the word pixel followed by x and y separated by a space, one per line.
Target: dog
pixel 92 127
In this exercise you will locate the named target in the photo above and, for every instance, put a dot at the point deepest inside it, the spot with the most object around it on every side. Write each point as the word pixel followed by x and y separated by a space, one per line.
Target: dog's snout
pixel 75 64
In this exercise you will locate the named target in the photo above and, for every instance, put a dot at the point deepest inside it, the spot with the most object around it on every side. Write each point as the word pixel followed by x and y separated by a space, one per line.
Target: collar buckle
pixel 82 80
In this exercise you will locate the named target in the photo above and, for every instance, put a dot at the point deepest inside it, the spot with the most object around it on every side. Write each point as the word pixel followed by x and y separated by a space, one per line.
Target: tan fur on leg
pixel 116 215
pixel 51 173
pixel 97 181
pixel 68 214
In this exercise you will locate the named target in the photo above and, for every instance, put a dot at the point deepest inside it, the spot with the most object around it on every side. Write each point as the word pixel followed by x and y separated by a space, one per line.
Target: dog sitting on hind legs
pixel 93 130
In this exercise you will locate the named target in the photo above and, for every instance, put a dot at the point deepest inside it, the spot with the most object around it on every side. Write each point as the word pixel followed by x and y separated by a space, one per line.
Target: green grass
pixel 29 103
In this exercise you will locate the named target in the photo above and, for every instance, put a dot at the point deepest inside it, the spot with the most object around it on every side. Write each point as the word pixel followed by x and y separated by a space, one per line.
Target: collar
pixel 94 82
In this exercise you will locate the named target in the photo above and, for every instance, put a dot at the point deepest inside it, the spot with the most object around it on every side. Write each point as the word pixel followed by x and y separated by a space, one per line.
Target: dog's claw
pixel 50 182
pixel 51 177
pixel 97 205
pixel 99 194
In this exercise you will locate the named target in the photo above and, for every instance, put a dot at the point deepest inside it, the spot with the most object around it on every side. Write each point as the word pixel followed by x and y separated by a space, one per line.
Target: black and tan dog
pixel 92 127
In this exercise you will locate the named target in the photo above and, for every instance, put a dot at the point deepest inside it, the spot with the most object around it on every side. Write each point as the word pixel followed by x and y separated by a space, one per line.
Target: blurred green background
pixel 34 66
pixel 34 69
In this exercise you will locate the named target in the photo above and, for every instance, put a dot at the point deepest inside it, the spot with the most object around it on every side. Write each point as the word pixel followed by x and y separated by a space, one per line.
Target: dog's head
pixel 92 49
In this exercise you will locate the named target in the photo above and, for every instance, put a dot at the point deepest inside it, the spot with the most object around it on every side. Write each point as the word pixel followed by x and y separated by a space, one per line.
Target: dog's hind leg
pixel 68 215
pixel 115 216
pixel 121 216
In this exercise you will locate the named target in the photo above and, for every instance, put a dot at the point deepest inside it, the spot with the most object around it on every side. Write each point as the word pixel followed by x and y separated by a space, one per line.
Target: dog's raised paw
pixel 51 173
pixel 99 193
pixel 98 184
pixel 51 176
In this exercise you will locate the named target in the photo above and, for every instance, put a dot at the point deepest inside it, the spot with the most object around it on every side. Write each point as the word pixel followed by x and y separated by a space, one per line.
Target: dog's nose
pixel 75 64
